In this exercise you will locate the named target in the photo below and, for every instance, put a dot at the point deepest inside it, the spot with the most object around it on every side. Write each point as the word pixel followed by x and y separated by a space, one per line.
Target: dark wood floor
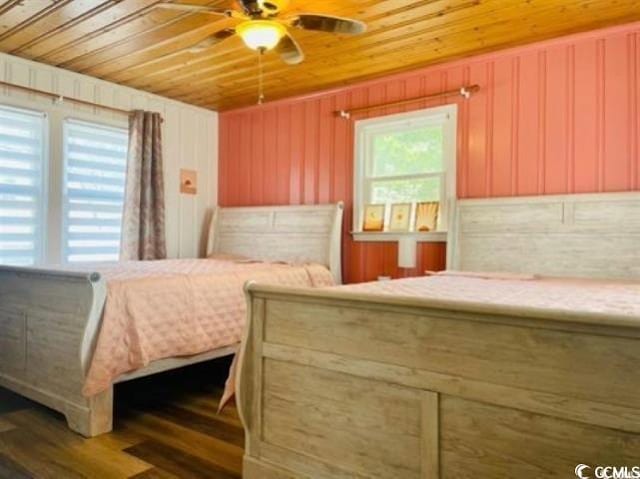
pixel 166 426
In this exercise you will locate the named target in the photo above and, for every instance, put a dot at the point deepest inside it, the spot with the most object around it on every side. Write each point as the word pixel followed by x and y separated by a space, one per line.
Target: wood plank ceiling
pixel 134 43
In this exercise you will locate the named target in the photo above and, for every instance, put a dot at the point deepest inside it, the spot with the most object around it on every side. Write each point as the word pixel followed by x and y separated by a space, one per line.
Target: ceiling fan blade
pixel 212 40
pixel 328 23
pixel 187 7
pixel 289 50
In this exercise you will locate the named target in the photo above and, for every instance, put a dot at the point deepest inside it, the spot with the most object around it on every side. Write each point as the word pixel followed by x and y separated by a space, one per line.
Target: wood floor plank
pixel 6 425
pixel 89 461
pixel 223 454
pixel 87 455
pixel 45 425
pixel 36 456
pixel 210 426
pixel 155 473
pixel 165 427
pixel 11 469
pixel 207 405
pixel 224 416
pixel 178 462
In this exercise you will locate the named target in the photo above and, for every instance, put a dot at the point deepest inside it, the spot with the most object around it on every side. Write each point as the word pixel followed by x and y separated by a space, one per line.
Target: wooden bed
pixel 50 319
pixel 334 384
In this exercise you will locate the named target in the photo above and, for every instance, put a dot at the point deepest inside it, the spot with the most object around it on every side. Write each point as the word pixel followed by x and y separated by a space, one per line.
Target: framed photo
pixel 427 216
pixel 373 218
pixel 400 217
pixel 188 182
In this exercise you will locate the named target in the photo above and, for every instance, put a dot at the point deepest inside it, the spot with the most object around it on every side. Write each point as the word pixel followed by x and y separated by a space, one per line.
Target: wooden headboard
pixel 585 235
pixel 280 233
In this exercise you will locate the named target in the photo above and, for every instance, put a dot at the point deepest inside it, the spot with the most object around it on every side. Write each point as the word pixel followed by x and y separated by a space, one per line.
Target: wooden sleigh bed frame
pixel 49 320
pixel 341 385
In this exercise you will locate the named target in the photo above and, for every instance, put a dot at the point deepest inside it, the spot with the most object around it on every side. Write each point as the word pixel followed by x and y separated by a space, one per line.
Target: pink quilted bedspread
pixel 169 308
pixel 620 298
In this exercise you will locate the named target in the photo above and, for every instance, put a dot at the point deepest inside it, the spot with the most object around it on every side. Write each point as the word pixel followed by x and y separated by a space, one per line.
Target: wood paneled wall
pixel 189 141
pixel 555 117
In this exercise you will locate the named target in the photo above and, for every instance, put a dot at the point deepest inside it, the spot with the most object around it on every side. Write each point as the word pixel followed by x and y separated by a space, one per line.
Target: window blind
pixel 22 146
pixel 94 182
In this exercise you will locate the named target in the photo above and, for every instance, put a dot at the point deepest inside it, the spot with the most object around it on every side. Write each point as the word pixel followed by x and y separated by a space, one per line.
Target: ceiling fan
pixel 262 30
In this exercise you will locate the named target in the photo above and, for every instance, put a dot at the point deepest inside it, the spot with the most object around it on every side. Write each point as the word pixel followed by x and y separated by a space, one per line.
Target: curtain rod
pixel 464 92
pixel 58 99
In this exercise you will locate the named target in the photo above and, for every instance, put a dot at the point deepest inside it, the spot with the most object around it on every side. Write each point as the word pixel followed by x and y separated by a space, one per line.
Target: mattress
pixel 548 296
pixel 172 308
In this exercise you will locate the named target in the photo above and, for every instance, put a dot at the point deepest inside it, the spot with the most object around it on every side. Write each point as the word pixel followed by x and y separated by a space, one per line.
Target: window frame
pixel 365 131
pixel 52 247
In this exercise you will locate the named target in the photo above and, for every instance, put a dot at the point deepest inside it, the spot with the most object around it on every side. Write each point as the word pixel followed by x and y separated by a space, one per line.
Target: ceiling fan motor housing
pixel 263 8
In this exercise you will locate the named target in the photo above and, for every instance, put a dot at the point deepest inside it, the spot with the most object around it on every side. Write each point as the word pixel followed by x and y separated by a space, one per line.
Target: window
pixel 94 180
pixel 22 148
pixel 406 158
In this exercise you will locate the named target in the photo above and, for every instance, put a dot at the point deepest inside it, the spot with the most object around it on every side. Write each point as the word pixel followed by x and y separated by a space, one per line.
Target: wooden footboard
pixel 335 385
pixel 48 322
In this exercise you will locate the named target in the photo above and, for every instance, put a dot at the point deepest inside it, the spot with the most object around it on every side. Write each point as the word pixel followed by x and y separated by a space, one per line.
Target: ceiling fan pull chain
pixel 260 74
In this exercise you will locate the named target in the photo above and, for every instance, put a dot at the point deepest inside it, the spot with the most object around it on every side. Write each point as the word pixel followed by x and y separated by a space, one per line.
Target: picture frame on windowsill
pixel 400 218
pixel 427 216
pixel 374 217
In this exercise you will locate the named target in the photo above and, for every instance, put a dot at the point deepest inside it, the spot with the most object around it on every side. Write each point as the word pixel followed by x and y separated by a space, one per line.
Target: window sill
pixel 383 236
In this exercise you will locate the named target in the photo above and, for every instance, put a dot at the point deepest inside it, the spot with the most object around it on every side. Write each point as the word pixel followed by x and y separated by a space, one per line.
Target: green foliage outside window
pixel 399 191
pixel 412 152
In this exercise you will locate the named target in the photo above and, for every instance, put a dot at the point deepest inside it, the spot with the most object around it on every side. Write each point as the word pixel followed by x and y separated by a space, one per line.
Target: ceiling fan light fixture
pixel 261 34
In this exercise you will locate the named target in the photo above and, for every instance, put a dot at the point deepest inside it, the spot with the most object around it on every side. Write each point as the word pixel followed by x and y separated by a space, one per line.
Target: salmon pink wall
pixel 554 117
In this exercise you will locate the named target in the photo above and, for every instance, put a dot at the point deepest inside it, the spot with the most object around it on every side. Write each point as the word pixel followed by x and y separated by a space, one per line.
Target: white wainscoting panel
pixel 190 141
pixel 586 235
